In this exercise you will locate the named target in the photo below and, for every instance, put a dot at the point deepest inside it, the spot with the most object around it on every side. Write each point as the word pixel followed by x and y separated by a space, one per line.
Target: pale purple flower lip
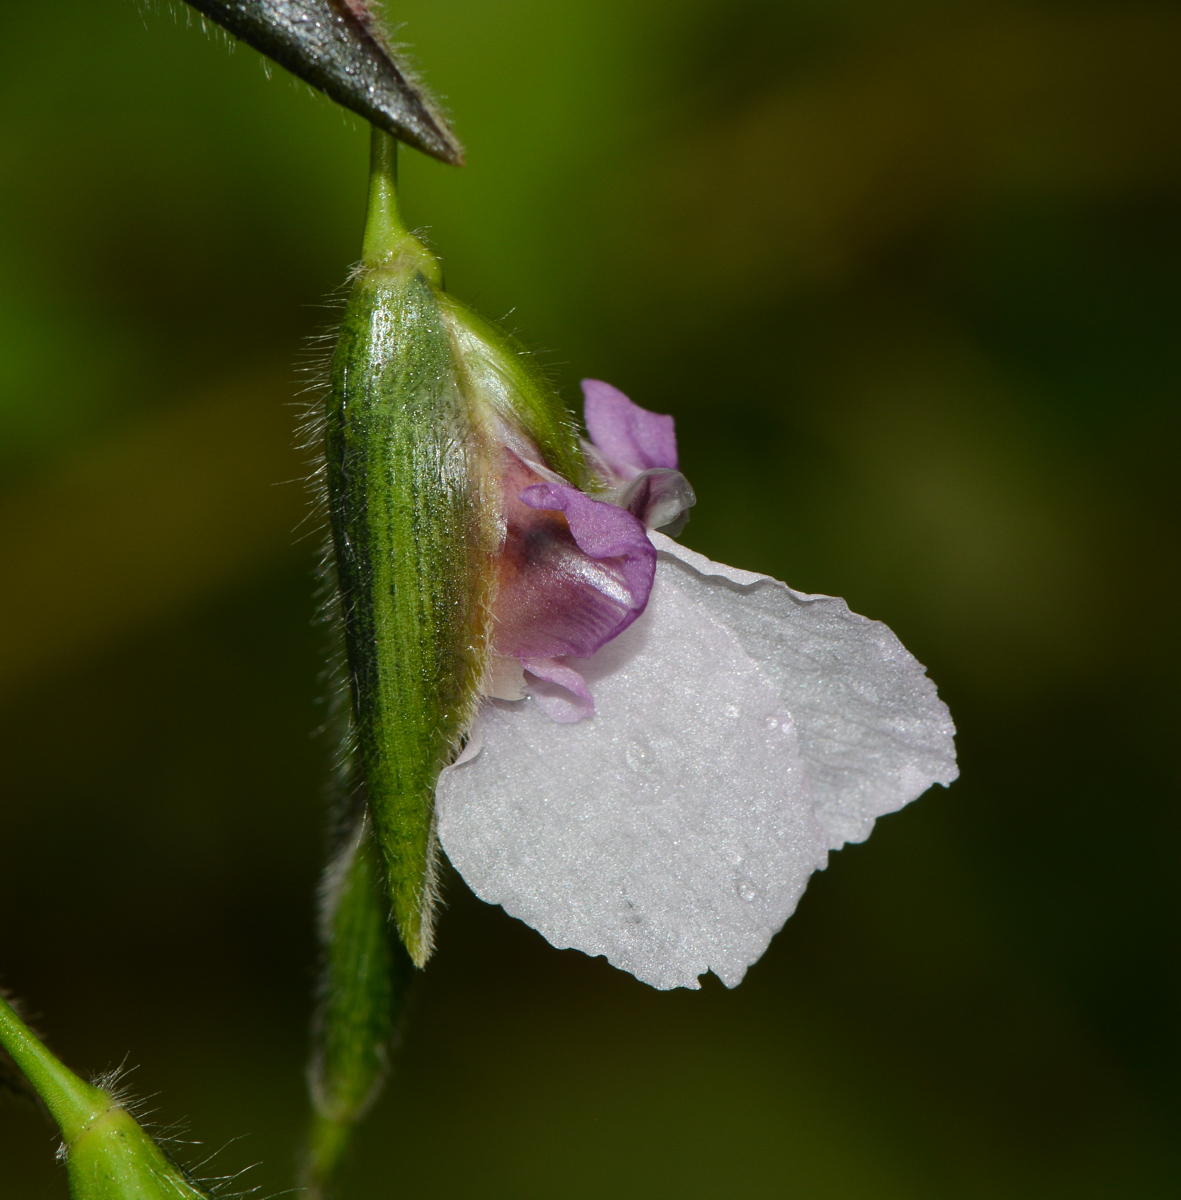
pixel 630 438
pixel 593 596
pixel 570 699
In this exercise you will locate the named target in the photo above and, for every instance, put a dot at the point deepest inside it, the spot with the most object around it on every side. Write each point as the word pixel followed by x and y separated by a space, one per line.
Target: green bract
pixel 408 540
pixel 420 389
pixel 497 371
pixel 363 988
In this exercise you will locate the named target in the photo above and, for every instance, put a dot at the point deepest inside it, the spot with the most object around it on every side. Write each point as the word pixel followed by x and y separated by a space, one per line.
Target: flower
pixel 663 798
pixel 641 753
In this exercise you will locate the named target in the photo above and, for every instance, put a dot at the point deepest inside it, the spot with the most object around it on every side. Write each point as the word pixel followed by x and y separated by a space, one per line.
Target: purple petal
pixel 630 438
pixel 568 700
pixel 574 573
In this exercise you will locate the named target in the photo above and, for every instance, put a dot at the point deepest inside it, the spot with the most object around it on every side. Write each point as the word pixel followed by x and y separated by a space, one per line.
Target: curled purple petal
pixel 569 700
pixel 574 572
pixel 630 438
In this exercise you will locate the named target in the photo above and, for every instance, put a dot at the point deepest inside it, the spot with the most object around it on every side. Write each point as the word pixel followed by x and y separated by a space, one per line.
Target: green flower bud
pixel 107 1153
pixel 423 395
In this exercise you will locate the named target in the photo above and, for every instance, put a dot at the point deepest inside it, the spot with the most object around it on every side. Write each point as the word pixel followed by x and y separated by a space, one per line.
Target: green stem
pixel 108 1156
pixel 74 1105
pixel 329 1143
pixel 387 243
pixel 385 231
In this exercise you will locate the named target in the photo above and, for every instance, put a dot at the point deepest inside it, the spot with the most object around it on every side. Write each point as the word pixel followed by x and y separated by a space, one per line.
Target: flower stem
pixel 108 1156
pixel 387 243
pixel 73 1104
pixel 384 227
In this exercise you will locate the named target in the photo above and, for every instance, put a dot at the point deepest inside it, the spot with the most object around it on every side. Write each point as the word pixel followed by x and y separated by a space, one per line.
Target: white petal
pixel 673 831
pixel 872 730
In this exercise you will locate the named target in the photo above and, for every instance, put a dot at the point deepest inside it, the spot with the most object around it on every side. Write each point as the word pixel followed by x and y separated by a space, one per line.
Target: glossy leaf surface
pixel 336 46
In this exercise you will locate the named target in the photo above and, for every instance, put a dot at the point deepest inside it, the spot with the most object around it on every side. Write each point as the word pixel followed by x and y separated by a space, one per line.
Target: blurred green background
pixel 908 274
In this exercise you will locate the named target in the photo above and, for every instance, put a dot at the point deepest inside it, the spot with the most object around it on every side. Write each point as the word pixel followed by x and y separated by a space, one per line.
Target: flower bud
pixel 108 1155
